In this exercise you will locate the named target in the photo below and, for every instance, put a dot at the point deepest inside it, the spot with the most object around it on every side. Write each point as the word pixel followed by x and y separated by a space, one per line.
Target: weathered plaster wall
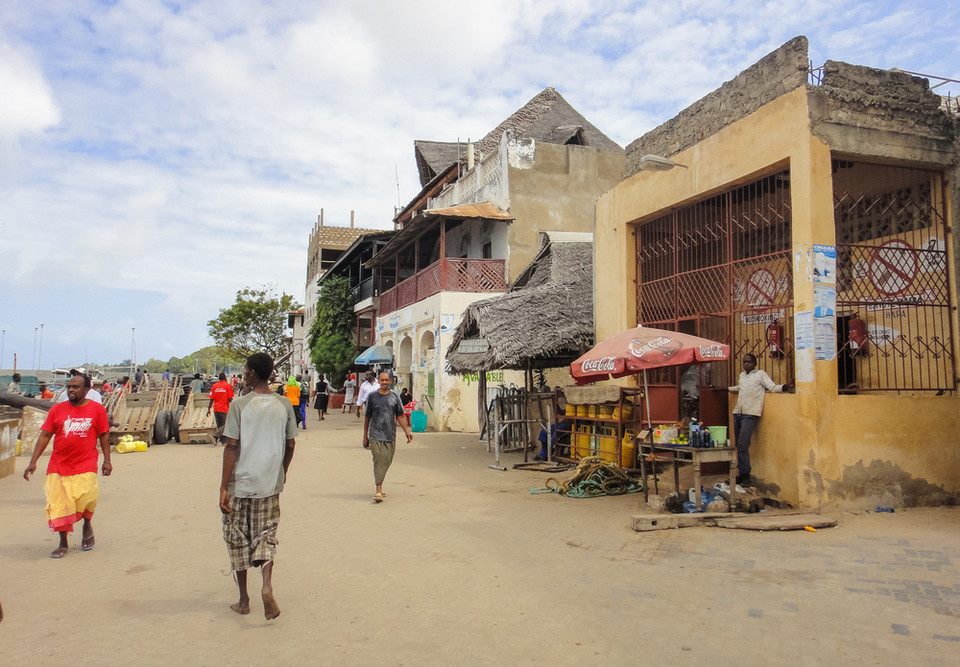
pixel 556 188
pixel 454 405
pixel 774 75
pixel 815 448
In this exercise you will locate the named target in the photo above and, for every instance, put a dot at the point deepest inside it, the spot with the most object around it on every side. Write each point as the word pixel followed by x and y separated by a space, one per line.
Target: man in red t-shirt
pixel 71 485
pixel 221 394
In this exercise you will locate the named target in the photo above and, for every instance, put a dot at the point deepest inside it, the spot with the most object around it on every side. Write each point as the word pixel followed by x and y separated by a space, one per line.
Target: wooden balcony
pixel 446 275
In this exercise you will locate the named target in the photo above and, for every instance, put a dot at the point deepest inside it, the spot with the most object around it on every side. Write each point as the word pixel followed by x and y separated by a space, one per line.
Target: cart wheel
pixel 161 429
pixel 175 424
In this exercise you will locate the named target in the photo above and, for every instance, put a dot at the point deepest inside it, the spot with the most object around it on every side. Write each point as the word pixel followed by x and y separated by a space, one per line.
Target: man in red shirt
pixel 71 485
pixel 221 394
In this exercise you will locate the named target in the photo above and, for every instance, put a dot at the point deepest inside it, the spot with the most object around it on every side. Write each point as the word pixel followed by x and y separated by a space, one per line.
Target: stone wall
pixel 775 74
pixel 888 101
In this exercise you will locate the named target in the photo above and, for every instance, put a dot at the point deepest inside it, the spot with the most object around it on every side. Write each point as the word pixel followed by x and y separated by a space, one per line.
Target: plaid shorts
pixel 250 531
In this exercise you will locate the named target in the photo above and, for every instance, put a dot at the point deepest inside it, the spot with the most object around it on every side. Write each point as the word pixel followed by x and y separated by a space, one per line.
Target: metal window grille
pixel 720 268
pixel 893 289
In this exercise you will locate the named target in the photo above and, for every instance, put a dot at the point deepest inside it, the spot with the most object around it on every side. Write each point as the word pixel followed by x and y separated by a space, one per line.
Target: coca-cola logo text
pixel 601 365
pixel 711 351
pixel 661 345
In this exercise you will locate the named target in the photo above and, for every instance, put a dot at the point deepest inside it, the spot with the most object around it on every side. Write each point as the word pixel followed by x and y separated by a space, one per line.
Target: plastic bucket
pixel 418 421
pixel 719 435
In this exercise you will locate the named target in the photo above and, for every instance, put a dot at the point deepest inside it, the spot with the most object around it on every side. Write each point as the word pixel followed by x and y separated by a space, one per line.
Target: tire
pixel 175 424
pixel 161 428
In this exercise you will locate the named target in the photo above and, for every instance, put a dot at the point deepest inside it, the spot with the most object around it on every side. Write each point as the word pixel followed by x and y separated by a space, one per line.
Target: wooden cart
pixel 197 426
pixel 134 413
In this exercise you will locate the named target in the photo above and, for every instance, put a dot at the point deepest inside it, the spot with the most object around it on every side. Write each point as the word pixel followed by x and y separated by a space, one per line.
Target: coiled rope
pixel 594 477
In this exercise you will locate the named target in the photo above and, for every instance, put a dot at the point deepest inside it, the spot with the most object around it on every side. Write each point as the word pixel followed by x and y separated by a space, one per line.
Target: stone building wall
pixel 775 74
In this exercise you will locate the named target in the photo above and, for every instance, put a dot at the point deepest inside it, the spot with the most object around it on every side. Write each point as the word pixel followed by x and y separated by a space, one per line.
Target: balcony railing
pixel 364 290
pixel 446 275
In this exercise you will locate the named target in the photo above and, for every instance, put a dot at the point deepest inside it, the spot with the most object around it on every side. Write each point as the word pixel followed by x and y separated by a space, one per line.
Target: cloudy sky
pixel 157 156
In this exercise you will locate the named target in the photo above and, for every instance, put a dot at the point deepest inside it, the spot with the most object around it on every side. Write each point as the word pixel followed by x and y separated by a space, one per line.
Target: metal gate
pixel 720 268
pixel 893 287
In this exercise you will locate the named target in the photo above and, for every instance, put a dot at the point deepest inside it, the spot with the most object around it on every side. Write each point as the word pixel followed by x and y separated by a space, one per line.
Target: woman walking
pixel 320 396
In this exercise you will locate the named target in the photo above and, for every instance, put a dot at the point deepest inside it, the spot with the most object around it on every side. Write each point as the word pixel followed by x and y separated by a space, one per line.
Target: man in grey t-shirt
pixel 258 438
pixel 380 431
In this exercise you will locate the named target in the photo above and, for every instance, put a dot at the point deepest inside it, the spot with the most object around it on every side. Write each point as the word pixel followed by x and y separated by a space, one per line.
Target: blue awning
pixel 376 354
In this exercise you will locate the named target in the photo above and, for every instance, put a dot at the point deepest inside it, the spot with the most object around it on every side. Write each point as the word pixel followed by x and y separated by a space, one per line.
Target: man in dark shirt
pixel 382 408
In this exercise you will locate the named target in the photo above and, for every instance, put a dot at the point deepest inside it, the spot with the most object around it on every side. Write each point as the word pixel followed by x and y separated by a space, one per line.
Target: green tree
pixel 257 322
pixel 332 349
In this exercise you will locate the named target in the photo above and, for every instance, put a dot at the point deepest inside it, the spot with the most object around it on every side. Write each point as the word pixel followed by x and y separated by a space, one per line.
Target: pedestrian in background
pixel 292 391
pixel 221 395
pixel 368 387
pixel 304 397
pixel 320 397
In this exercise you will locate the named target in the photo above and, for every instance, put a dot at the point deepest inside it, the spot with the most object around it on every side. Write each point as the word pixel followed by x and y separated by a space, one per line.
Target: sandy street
pixel 460 565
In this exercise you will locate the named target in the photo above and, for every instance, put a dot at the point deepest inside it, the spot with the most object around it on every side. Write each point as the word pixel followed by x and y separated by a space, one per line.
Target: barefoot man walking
pixel 71 484
pixel 259 439
pixel 380 431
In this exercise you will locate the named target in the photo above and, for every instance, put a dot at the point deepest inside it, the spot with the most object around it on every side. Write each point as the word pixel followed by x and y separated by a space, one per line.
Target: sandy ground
pixel 460 565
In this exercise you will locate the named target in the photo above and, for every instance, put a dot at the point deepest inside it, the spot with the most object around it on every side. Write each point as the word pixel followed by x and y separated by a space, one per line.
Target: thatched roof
pixel 435 157
pixel 547 117
pixel 545 319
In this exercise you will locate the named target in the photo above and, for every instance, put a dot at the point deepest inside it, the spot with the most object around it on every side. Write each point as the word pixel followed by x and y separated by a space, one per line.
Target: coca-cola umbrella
pixel 643 348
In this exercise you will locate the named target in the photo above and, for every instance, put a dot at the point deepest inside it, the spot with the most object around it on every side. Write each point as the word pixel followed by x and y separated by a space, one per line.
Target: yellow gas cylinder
pixel 628 452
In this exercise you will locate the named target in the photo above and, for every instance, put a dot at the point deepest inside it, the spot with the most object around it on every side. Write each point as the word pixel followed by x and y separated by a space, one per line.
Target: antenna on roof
pixel 396 171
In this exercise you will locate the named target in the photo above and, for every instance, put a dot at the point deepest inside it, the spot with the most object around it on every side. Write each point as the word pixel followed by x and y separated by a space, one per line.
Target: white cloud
pixel 185 150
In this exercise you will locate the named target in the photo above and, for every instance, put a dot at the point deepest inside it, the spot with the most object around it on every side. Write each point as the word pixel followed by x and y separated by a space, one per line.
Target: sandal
pixel 378 497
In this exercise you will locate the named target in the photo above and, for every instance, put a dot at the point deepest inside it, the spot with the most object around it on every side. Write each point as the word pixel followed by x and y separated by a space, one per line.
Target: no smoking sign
pixel 893 267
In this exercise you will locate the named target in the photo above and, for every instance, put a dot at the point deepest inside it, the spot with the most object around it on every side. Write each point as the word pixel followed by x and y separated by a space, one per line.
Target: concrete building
pixel 471 231
pixel 325 246
pixel 812 226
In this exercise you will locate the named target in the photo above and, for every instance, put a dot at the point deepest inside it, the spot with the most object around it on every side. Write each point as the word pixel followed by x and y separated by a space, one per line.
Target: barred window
pixel 893 289
pixel 720 268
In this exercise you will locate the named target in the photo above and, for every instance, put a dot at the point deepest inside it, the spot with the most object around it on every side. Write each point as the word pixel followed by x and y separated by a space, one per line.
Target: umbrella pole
pixel 646 398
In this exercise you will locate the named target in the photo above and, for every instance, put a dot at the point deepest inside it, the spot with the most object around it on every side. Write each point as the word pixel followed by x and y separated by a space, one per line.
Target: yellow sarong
pixel 70 498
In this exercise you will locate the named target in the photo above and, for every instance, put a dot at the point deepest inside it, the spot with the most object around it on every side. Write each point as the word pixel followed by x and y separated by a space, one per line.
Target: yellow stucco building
pixel 810 224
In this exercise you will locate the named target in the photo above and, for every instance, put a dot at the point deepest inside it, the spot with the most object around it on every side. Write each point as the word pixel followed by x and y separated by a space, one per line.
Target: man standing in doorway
pixel 71 485
pixel 259 440
pixel 221 395
pixel 752 387
pixel 368 387
pixel 383 408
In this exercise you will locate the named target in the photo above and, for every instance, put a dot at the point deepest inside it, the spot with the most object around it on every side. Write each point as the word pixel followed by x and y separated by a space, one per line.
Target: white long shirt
pixel 365 390
pixel 751 391
pixel 92 394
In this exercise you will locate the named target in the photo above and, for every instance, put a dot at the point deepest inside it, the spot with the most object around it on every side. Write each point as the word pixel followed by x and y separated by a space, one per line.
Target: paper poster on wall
pixel 446 322
pixel 824 263
pixel 825 339
pixel 824 301
pixel 803 330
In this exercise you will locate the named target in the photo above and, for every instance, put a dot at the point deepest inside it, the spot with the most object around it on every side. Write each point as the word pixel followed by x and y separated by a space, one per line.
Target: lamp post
pixel 133 350
pixel 40 353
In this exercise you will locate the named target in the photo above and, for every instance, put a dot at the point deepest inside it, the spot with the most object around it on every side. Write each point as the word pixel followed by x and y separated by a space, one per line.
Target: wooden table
pixel 683 454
